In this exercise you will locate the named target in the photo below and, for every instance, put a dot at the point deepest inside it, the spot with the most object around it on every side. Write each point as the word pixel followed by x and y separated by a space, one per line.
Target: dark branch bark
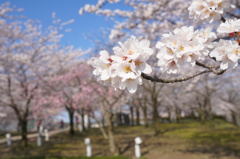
pixel 213 69
pixel 155 79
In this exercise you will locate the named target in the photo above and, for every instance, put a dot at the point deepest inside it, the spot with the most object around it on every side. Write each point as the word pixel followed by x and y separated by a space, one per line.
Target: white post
pixel 39 139
pixel 46 135
pixel 9 141
pixel 80 128
pixel 86 121
pixel 41 129
pixel 88 147
pixel 138 141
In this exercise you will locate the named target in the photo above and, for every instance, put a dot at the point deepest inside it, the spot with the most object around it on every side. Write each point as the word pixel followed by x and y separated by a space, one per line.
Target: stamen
pixel 127 69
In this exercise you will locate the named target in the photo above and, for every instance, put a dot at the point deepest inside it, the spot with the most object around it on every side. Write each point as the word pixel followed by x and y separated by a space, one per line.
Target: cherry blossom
pixel 208 10
pixel 183 47
pixel 227 52
pixel 229 26
pixel 124 68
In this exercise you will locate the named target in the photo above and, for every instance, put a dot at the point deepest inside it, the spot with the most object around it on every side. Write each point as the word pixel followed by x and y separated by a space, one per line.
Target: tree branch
pixel 213 69
pixel 155 79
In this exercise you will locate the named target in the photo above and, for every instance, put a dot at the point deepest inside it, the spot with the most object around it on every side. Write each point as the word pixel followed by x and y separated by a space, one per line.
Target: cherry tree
pixel 28 56
pixel 107 101
pixel 69 89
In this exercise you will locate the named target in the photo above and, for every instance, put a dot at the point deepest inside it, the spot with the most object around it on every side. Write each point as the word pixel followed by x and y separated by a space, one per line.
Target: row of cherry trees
pixel 36 72
pixel 40 79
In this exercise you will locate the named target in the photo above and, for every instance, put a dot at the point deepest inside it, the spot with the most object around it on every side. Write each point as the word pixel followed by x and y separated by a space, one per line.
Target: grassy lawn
pixel 185 140
pixel 72 158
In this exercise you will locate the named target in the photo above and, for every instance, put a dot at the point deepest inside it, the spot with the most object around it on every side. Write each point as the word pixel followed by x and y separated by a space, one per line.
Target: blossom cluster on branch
pixel 208 10
pixel 184 47
pixel 124 68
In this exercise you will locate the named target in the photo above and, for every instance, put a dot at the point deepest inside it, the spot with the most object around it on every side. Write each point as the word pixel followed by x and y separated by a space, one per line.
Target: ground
pixel 186 140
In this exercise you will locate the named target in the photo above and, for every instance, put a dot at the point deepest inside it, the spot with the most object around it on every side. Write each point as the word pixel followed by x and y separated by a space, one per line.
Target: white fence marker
pixel 39 139
pixel 88 147
pixel 138 141
pixel 41 129
pixel 86 121
pixel 46 135
pixel 9 141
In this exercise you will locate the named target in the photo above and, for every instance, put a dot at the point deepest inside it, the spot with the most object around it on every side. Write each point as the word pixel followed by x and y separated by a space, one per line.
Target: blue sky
pixel 87 24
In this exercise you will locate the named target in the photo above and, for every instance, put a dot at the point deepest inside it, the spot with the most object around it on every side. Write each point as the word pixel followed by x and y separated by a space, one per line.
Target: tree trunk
pixel 71 118
pixel 155 103
pixel 137 116
pixel 202 113
pixel 209 109
pixel 132 118
pixel 156 120
pixel 23 125
pixel 145 117
pixel 83 120
pixel 234 117
pixel 111 140
pixel 101 127
pixel 103 131
pixel 178 114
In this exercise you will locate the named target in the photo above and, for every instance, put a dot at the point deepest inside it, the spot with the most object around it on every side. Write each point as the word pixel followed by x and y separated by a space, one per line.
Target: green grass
pixel 118 157
pixel 189 139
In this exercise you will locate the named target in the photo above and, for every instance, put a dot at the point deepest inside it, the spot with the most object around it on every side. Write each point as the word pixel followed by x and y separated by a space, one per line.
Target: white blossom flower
pixel 227 52
pixel 126 70
pixel 103 66
pixel 130 83
pixel 229 26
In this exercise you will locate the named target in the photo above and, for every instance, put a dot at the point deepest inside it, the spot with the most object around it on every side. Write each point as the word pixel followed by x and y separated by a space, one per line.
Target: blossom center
pixel 220 5
pixel 138 62
pixel 211 3
pixel 236 51
pixel 172 64
pixel 124 58
pixel 181 48
pixel 212 13
pixel 201 7
pixel 107 66
pixel 127 69
pixel 170 51
pixel 130 52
